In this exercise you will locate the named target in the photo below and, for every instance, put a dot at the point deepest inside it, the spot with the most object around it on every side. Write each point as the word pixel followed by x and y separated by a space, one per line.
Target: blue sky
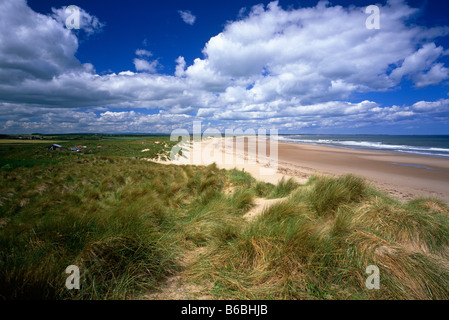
pixel 156 66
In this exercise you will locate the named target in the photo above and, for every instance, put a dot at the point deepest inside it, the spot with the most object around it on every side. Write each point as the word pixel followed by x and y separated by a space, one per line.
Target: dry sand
pixel 403 176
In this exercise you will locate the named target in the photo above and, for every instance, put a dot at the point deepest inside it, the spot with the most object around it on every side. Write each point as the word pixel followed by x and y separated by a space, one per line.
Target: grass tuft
pixel 329 193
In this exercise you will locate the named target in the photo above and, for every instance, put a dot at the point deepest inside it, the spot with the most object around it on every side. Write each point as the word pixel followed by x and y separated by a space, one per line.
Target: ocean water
pixel 437 146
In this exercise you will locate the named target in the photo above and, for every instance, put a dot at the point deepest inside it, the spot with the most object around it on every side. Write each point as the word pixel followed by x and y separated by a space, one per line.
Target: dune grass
pixel 98 215
pixel 126 223
pixel 122 221
pixel 318 243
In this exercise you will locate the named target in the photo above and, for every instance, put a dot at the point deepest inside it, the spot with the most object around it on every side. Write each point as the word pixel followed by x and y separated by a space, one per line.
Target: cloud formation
pixel 187 17
pixel 288 69
pixel 88 23
pixel 145 65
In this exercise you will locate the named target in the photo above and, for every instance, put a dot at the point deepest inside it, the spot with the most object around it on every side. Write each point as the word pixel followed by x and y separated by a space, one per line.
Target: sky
pixel 318 67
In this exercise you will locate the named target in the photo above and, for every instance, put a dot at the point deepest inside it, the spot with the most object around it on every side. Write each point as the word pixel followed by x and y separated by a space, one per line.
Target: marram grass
pixel 318 243
pixel 127 223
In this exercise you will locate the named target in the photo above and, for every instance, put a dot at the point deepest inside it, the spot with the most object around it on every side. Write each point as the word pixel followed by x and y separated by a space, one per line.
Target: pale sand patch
pixel 228 189
pixel 216 150
pixel 177 288
pixel 259 206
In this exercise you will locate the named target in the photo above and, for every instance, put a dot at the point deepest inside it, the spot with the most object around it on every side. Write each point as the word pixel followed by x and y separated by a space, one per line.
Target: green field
pixel 130 225
pixel 28 153
pixel 19 141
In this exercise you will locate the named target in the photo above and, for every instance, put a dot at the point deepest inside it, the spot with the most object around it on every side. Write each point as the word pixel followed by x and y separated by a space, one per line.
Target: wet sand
pixel 403 176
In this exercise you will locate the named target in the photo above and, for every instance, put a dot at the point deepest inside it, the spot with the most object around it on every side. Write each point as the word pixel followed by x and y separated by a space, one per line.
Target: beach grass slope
pixel 129 225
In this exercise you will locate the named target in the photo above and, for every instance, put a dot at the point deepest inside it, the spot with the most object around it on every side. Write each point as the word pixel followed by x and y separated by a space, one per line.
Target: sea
pixel 429 145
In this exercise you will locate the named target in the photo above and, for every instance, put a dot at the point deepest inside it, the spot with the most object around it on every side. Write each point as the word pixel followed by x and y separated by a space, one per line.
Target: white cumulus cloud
pixel 294 68
pixel 144 65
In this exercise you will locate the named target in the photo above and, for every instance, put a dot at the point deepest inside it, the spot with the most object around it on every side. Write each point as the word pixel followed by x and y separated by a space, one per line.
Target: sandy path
pixel 176 287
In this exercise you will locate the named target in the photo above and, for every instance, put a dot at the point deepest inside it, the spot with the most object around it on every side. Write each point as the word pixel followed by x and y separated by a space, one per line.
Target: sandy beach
pixel 403 176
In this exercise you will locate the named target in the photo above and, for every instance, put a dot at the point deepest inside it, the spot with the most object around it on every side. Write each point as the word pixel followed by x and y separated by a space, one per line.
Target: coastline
pixel 402 176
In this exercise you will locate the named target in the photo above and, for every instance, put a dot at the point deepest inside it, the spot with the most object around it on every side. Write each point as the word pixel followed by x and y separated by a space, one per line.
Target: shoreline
pixel 403 176
pixel 432 145
pixel 369 150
